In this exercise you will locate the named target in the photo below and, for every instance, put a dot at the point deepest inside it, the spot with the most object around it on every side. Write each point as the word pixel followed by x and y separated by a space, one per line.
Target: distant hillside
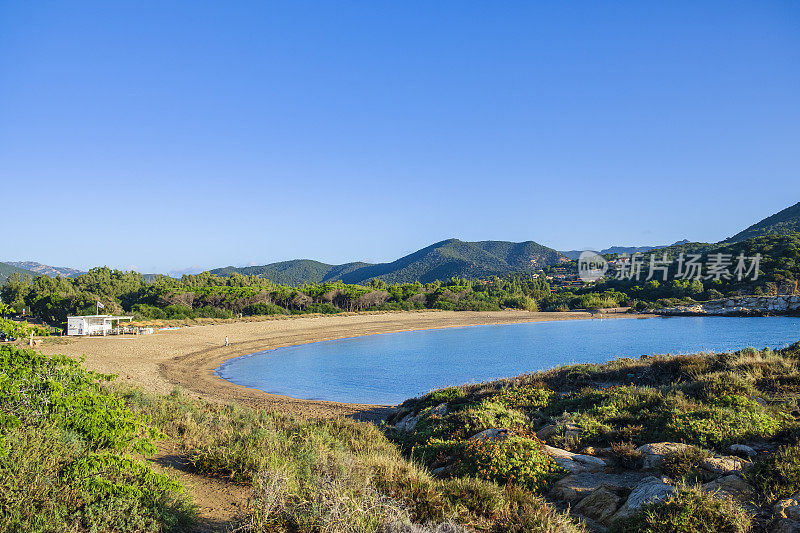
pixel 295 272
pixel 574 254
pixel 46 270
pixel 781 223
pixel 441 260
pixel 7 269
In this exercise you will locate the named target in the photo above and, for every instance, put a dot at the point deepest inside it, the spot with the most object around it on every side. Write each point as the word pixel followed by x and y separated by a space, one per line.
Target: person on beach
pixel 226 342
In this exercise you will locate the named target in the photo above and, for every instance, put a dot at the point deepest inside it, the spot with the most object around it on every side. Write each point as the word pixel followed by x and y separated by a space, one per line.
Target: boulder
pixel 599 505
pixel 649 490
pixel 440 410
pixel 789 507
pixel 723 466
pixel 577 486
pixel 492 434
pixel 548 431
pixel 407 423
pixel 575 462
pixel 743 449
pixel 730 485
pixel 653 454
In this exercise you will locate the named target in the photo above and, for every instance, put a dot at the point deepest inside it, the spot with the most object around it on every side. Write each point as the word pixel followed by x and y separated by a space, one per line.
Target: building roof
pixel 100 316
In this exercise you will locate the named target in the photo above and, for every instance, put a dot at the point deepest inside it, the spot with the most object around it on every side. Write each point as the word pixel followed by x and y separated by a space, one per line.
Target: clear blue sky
pixel 162 135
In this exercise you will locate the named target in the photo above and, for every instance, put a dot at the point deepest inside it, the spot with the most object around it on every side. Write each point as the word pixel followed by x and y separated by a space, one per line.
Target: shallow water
pixel 390 367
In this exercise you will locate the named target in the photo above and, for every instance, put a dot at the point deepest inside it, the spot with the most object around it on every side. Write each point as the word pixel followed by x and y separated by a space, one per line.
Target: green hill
pixel 295 272
pixel 6 270
pixel 781 223
pixel 441 261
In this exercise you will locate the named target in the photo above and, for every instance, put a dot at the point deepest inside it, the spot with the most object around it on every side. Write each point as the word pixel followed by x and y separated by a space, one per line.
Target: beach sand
pixel 187 357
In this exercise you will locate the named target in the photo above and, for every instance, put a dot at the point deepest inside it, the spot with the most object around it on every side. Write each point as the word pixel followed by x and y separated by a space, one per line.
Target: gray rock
pixel 730 485
pixel 743 449
pixel 723 466
pixel 491 434
pixel 577 486
pixel 653 454
pixel 440 410
pixel 575 462
pixel 407 423
pixel 649 490
pixel 599 505
pixel 548 431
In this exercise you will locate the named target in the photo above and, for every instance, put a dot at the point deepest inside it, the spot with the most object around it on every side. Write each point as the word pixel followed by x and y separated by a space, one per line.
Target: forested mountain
pixel 7 269
pixel 39 269
pixel 453 257
pixel 781 223
pixel 295 272
pixel 438 261
pixel 575 254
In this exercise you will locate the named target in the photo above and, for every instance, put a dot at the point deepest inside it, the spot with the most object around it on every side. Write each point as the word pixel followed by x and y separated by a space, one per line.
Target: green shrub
pixel 728 420
pixel 689 511
pixel 683 462
pixel 208 311
pixel 262 309
pixel 513 460
pixel 178 312
pixel 64 462
pixel 148 311
pixel 778 474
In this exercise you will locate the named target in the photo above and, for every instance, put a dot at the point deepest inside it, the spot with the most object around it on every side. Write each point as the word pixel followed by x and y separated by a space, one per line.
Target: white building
pixel 94 324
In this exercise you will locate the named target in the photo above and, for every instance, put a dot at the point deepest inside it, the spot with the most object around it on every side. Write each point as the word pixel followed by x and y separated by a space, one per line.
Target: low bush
pixel 689 511
pixel 777 475
pixel 65 453
pixel 336 475
pixel 262 309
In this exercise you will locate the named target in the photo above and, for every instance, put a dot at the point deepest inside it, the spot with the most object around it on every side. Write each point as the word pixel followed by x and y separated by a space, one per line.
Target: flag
pixel 100 306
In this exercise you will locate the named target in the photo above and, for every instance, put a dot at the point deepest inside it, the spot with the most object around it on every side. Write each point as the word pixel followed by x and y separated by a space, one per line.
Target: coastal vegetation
pixel 717 434
pixel 207 295
pixel 704 409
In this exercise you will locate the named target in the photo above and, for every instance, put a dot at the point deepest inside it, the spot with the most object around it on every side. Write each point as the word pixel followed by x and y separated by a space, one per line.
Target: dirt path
pixel 188 357
pixel 219 502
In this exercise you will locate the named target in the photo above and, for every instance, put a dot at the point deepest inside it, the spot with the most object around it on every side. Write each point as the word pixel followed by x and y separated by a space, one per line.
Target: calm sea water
pixel 388 368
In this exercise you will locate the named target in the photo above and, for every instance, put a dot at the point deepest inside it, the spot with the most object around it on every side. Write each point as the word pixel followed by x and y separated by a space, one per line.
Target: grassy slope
pixel 706 400
pixel 340 475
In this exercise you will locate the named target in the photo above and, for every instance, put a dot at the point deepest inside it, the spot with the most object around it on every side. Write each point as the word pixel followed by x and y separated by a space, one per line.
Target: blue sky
pixel 166 135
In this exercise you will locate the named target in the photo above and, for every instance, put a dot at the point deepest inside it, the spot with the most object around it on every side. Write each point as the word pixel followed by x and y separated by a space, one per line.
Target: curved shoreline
pixel 190 356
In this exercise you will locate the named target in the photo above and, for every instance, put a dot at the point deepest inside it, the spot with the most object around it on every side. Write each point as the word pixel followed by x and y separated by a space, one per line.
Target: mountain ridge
pixel 46 270
pixel 438 261
pixel 781 223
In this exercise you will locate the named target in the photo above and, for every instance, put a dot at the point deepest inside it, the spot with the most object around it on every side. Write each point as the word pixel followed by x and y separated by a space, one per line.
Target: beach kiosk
pixel 95 324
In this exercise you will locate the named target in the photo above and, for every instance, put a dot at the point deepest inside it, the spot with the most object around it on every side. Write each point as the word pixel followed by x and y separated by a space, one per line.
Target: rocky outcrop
pixel 743 449
pixel 575 463
pixel 578 486
pixel 649 490
pixel 653 454
pixel 740 306
pixel 723 465
pixel 599 505
pixel 787 512
pixel 729 486
pixel 407 423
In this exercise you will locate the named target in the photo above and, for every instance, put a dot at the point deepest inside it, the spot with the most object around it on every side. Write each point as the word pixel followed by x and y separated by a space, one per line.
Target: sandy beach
pixel 187 357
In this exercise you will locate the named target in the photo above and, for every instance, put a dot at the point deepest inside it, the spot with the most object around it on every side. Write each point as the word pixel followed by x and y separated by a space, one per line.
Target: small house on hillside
pixel 94 324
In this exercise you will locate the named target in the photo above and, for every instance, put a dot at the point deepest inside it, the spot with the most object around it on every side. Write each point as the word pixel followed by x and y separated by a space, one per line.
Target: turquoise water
pixel 388 368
